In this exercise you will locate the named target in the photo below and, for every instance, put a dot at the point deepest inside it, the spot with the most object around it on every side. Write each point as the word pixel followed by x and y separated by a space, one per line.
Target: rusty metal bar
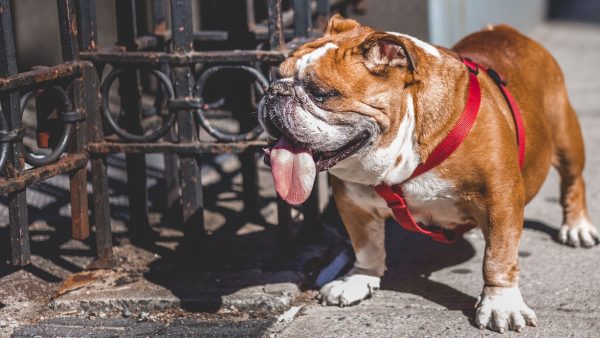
pixel 67 19
pixel 88 42
pixel 189 166
pixel 80 228
pixel 171 161
pixel 86 23
pixel 275 22
pixel 177 148
pixel 17 204
pixel 172 179
pixel 159 17
pixel 321 8
pixel 243 101
pixel 66 164
pixel 302 17
pixel 185 58
pixel 203 36
pixel 129 91
pixel 40 77
pixel 67 14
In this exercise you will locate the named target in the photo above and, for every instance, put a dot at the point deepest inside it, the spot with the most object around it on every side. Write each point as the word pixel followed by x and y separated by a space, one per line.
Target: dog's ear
pixel 383 50
pixel 338 24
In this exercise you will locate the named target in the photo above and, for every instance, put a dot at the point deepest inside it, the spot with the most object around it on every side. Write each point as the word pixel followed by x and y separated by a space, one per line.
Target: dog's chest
pixel 430 199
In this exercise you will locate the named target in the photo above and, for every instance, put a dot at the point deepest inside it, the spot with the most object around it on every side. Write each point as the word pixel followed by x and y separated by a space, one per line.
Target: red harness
pixel 394 196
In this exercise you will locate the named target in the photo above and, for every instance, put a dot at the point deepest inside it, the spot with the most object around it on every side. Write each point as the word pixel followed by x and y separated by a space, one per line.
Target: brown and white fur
pixel 411 112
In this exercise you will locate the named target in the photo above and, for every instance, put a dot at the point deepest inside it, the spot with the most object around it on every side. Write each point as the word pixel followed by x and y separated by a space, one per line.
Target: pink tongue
pixel 293 170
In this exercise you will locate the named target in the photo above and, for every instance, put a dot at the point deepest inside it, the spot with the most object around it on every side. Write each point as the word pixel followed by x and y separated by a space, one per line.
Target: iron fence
pixel 62 105
pixel 183 62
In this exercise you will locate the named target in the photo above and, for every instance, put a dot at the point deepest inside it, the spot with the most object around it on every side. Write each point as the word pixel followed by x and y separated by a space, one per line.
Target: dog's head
pixel 340 100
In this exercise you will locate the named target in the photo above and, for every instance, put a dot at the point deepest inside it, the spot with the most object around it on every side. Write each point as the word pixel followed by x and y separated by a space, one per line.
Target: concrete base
pixel 108 291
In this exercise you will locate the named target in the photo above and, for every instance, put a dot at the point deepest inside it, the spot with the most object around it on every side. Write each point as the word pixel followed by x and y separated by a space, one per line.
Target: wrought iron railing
pixel 182 61
pixel 62 87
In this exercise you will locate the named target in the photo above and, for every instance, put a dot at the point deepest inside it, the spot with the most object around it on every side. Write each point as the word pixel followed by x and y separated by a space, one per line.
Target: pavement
pixel 246 289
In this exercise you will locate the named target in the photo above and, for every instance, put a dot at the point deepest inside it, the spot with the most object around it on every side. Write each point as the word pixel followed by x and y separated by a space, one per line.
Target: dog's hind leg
pixel 569 160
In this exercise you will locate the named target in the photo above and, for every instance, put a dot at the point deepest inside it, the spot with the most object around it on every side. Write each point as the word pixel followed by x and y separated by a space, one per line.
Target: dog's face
pixel 341 99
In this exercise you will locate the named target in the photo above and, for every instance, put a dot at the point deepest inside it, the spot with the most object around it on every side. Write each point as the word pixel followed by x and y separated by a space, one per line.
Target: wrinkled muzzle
pixel 309 139
pixel 286 110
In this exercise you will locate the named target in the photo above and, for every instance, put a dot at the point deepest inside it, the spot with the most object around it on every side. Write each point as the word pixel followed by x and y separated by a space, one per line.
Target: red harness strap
pixel 394 196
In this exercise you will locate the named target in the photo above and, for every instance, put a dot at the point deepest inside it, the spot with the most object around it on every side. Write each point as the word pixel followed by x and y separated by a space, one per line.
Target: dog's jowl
pixel 437 138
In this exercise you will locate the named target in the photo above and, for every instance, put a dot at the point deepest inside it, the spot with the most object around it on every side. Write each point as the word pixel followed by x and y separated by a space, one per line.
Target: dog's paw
pixel 503 309
pixel 582 233
pixel 348 290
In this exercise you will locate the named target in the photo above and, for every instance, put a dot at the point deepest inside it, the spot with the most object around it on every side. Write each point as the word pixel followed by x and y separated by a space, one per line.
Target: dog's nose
pixel 282 88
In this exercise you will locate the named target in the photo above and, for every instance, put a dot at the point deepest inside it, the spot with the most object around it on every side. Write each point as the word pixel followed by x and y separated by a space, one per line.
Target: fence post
pixel 88 42
pixel 129 92
pixel 67 18
pixel 11 108
pixel 189 165
pixel 302 18
pixel 172 196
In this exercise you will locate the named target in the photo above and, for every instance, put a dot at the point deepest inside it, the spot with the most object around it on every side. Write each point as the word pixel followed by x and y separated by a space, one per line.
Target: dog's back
pixel 550 121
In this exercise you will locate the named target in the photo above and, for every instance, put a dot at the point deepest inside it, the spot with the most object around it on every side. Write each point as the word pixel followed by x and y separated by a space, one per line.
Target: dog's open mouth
pixel 295 166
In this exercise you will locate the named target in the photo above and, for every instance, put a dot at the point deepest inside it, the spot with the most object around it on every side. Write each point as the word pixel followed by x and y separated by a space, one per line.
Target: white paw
pixel 503 309
pixel 348 290
pixel 583 233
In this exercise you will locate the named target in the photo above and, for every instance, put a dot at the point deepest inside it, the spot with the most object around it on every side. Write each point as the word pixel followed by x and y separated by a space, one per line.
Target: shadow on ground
pixel 239 266
pixel 412 258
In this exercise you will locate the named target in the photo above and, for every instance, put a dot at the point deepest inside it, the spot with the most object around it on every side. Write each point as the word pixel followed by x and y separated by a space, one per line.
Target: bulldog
pixel 371 106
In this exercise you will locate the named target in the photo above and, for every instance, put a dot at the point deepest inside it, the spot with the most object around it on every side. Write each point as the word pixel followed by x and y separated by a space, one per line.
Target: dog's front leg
pixel 500 306
pixel 366 231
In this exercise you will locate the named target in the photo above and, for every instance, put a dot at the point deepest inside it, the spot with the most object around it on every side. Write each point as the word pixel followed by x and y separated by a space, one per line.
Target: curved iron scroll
pixel 66 114
pixel 262 86
pixel 106 113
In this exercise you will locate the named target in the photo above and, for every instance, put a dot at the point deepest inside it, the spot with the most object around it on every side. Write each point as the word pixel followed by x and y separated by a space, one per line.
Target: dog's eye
pixel 320 95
